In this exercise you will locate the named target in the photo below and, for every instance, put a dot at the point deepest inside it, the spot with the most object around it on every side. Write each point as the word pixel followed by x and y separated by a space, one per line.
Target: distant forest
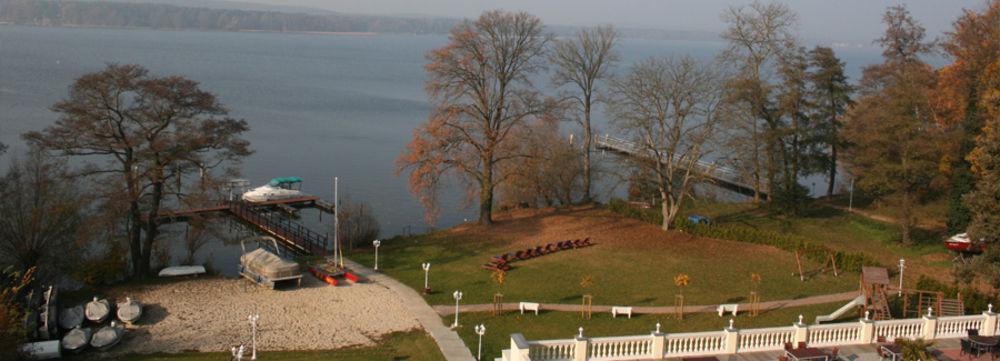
pixel 161 16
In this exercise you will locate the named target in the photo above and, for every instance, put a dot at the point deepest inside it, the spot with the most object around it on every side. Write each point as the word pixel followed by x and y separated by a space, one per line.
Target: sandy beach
pixel 210 314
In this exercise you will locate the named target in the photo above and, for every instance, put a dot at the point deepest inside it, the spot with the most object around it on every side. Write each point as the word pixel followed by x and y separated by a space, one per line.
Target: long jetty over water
pixel 259 215
pixel 724 177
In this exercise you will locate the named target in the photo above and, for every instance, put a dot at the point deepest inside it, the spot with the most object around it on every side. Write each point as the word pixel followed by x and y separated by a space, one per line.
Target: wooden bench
pixel 728 307
pixel 530 306
pixel 624 310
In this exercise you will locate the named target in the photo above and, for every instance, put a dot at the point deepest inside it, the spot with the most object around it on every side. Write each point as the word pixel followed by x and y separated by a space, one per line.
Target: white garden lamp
pixel 480 330
pixel 427 268
pixel 376 243
pixel 253 332
pixel 458 297
pixel 902 266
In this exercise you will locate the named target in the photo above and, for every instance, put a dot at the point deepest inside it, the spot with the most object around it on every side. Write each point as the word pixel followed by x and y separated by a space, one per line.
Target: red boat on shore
pixel 962 244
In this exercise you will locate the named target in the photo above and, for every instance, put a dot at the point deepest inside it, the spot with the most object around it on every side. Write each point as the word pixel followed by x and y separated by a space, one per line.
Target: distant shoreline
pixel 330 33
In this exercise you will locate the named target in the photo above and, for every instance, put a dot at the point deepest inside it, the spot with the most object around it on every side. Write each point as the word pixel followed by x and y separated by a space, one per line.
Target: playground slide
pixel 860 300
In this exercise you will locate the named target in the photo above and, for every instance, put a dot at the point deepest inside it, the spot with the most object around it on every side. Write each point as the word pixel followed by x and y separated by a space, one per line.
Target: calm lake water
pixel 318 106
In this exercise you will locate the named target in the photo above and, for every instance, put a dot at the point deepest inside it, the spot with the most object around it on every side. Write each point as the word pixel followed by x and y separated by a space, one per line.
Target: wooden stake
pixel 798 262
pixel 497 304
pixel 588 304
pixel 679 307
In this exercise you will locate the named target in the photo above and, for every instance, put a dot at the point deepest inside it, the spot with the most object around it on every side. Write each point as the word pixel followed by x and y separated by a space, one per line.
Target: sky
pixel 851 21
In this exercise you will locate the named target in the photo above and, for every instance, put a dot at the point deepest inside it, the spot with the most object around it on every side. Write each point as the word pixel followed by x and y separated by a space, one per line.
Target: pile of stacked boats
pixel 98 324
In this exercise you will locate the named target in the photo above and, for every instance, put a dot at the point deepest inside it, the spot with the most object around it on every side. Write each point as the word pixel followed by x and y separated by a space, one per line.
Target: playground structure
pixel 876 290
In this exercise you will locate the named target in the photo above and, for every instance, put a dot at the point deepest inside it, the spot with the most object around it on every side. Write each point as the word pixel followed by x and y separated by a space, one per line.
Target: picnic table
pixel 894 351
pixel 807 353
pixel 984 344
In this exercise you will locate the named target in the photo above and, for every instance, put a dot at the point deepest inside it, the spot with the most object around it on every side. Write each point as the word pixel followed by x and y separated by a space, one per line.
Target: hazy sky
pixel 819 20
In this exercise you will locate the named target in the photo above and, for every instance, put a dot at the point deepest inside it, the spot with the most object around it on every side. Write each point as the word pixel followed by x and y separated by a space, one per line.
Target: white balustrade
pixel 765 339
pixel 893 329
pixel 621 348
pixel 695 344
pixel 834 334
pixel 957 326
pixel 551 350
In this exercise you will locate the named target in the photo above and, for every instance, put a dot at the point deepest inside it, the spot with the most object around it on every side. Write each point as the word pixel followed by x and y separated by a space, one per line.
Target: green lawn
pixel 563 325
pixel 639 273
pixel 411 346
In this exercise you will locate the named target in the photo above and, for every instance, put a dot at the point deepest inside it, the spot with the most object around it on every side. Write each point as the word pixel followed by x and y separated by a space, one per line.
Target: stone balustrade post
pixel 801 332
pixel 732 338
pixel 930 325
pixel 580 349
pixel 989 326
pixel 659 343
pixel 867 332
pixel 519 349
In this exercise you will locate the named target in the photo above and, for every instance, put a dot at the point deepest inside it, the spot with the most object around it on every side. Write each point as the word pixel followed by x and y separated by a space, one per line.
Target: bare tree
pixel 144 133
pixel 481 94
pixel 582 62
pixel 358 225
pixel 758 34
pixel 670 108
pixel 550 175
pixel 41 215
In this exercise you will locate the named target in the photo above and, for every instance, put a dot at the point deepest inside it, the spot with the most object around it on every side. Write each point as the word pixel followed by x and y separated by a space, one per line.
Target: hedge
pixel 851 261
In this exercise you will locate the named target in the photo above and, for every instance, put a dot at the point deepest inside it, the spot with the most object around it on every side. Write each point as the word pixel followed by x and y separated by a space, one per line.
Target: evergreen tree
pixel 831 96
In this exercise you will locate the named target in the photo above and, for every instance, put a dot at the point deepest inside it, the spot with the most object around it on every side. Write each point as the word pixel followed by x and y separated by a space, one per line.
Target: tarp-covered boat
pixel 962 244
pixel 265 267
pixel 107 336
pixel 97 310
pixel 77 339
pixel 129 311
pixel 70 318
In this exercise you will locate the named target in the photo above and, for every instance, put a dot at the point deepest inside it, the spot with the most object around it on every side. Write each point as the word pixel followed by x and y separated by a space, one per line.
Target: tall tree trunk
pixel 486 194
pixel 152 227
pixel 665 209
pixel 833 170
pixel 906 217
pixel 135 238
pixel 588 138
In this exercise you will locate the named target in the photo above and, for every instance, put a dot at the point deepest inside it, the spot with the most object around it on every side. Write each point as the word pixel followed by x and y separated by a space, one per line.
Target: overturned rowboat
pixel 129 311
pixel 107 336
pixel 70 318
pixel 77 339
pixel 98 310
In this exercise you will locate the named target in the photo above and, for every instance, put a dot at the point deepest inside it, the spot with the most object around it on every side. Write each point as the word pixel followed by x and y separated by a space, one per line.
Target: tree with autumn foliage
pixel 480 90
pixel 973 45
pixel 892 131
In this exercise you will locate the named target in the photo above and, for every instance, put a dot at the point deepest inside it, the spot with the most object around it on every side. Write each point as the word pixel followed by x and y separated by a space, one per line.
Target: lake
pixel 318 106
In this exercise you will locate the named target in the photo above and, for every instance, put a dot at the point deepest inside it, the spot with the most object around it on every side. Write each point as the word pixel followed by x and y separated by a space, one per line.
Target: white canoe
pixel 70 318
pixel 107 336
pixel 77 339
pixel 129 311
pixel 97 310
pixel 182 271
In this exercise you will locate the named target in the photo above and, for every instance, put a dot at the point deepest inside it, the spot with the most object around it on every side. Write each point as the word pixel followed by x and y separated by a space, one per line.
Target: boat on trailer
pixel 276 189
pixel 265 267
pixel 98 310
pixel 77 339
pixel 107 336
pixel 70 318
pixel 962 244
pixel 129 311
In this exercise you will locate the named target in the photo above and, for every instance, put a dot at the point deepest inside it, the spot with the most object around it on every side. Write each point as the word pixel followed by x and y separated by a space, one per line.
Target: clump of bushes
pixel 975 301
pixel 850 261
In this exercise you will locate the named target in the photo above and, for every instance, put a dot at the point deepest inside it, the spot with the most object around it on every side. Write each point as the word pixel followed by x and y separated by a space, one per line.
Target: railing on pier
pixel 656 346
pixel 300 238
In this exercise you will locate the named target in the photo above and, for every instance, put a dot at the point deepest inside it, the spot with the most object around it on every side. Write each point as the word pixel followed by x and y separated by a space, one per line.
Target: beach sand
pixel 210 314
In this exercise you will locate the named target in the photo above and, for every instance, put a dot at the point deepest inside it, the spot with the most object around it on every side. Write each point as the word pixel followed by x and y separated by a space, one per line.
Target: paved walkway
pixel 769 305
pixel 448 341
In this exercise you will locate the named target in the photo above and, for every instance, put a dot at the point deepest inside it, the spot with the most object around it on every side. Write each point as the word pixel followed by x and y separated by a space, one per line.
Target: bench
pixel 530 306
pixel 616 310
pixel 728 307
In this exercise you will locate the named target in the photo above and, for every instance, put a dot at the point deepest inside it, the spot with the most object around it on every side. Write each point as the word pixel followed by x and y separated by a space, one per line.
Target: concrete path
pixel 448 341
pixel 769 305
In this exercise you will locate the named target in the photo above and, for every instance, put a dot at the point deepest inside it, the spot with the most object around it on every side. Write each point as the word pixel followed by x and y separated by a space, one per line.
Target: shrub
pixel 975 301
pixel 850 261
pixel 12 333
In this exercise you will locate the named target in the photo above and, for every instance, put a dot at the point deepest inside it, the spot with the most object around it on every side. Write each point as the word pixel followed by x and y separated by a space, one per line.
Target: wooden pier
pixel 257 215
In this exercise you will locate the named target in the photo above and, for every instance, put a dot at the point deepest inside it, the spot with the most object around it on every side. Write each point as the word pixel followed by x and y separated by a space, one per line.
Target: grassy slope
pixel 412 346
pixel 632 264
pixel 563 325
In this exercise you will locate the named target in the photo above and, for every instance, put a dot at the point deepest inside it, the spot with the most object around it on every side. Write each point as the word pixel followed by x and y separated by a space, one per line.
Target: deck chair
pixel 972 332
pixel 788 346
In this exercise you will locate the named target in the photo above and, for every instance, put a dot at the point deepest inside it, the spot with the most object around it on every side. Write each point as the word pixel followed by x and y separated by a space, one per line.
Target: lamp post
pixel 253 330
pixel 376 243
pixel 458 297
pixel 480 330
pixel 427 268
pixel 902 266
